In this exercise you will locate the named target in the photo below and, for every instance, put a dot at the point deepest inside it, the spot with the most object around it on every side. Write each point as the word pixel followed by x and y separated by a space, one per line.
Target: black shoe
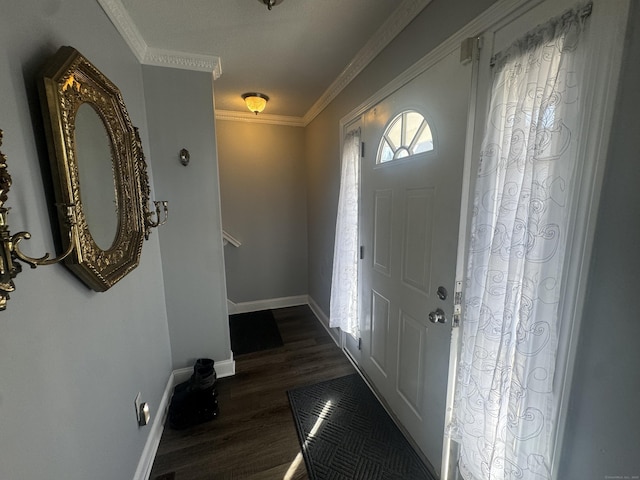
pixel 195 401
pixel 204 376
pixel 193 408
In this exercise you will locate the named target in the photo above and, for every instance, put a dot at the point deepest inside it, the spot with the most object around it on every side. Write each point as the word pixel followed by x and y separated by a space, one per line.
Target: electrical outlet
pixel 137 403
pixel 142 410
pixel 145 414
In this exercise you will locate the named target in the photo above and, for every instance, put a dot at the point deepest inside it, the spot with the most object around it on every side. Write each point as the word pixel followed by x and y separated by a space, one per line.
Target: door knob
pixel 437 316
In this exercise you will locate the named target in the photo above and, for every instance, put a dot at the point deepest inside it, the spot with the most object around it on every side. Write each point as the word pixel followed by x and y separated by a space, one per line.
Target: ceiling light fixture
pixel 255 101
pixel 271 3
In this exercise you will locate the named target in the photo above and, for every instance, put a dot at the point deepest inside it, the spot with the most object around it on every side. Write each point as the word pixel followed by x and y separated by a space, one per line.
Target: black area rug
pixel 353 436
pixel 253 331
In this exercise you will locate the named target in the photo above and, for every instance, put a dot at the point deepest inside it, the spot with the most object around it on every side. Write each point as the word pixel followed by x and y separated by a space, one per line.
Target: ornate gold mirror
pixel 98 167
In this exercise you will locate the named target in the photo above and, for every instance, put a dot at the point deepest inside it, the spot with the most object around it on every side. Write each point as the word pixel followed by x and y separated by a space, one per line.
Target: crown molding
pixel 403 15
pixel 125 26
pixel 500 9
pixel 186 61
pixel 261 118
pixel 123 22
pixel 154 56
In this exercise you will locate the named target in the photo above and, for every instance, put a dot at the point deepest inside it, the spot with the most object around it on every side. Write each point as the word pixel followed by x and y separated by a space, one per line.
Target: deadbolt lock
pixel 442 293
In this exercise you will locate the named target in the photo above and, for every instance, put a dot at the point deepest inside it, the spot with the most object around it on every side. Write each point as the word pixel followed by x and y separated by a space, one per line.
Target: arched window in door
pixel 407 134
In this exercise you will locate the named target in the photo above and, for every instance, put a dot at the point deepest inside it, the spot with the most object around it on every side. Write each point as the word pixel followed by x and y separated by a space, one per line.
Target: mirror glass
pixel 98 190
pixel 98 169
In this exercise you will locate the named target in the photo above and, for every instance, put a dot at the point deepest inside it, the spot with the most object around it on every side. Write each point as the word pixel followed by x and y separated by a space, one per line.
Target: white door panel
pixel 409 220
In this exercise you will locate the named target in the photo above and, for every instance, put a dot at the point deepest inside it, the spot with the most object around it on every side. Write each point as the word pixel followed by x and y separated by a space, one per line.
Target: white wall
pixel 263 189
pixel 180 113
pixel 71 360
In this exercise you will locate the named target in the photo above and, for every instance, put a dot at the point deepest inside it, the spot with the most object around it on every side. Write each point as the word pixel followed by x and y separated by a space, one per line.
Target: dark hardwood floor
pixel 254 436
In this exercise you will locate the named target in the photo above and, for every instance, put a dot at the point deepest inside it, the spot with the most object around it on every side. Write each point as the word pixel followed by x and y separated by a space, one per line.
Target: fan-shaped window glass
pixel 406 135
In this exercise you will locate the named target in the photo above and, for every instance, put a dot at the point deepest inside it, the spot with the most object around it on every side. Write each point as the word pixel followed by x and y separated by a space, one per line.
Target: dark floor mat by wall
pixel 253 331
pixel 345 433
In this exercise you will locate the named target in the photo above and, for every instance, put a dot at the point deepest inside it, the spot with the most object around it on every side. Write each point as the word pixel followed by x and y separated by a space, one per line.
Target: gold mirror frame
pixel 69 81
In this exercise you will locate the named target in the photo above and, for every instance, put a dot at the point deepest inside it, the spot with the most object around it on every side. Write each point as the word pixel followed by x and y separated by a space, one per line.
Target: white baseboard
pixel 286 302
pixel 155 434
pixel 266 304
pixel 324 320
pixel 224 368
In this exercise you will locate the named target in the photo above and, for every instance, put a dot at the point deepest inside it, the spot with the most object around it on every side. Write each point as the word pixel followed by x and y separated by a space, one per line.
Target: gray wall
pixel 263 188
pixel 439 20
pixel 180 113
pixel 603 437
pixel 71 360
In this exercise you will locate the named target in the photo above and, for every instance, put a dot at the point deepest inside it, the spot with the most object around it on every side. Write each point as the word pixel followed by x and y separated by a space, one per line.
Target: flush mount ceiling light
pixel 271 3
pixel 255 101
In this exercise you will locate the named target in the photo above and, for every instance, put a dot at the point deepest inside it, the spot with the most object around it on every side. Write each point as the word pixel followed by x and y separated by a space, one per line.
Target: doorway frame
pixel 597 131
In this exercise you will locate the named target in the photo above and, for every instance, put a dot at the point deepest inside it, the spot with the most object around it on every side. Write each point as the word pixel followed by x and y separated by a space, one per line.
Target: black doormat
pixel 253 331
pixel 346 434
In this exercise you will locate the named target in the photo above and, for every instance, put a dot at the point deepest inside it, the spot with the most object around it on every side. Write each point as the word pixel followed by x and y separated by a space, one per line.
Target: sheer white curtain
pixel 505 406
pixel 344 284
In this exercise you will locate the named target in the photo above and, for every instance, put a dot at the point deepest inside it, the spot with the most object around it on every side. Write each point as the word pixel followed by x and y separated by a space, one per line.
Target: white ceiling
pixel 299 53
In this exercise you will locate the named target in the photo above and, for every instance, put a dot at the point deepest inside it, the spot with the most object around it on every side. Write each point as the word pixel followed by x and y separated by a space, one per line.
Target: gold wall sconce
pixel 10 251
pixel 156 218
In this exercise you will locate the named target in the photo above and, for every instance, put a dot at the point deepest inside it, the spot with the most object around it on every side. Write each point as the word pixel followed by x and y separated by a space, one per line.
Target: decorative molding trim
pixel 267 304
pixel 261 118
pixel 405 13
pixel 481 23
pixel 185 61
pixel 124 24
pixel 166 58
pixel 155 434
pixel 154 56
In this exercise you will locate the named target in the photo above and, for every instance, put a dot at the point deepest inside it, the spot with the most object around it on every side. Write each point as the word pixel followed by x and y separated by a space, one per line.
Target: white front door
pixel 409 216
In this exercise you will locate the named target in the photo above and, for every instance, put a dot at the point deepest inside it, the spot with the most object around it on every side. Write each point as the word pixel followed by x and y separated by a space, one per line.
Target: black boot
pixel 195 407
pixel 204 375
pixel 195 401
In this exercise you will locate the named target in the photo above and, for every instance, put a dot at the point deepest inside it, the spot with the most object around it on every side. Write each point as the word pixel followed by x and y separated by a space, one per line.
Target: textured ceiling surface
pixel 291 53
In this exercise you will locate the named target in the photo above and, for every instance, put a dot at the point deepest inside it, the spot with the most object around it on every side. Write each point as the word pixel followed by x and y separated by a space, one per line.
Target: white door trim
pixel 481 23
pixel 448 449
